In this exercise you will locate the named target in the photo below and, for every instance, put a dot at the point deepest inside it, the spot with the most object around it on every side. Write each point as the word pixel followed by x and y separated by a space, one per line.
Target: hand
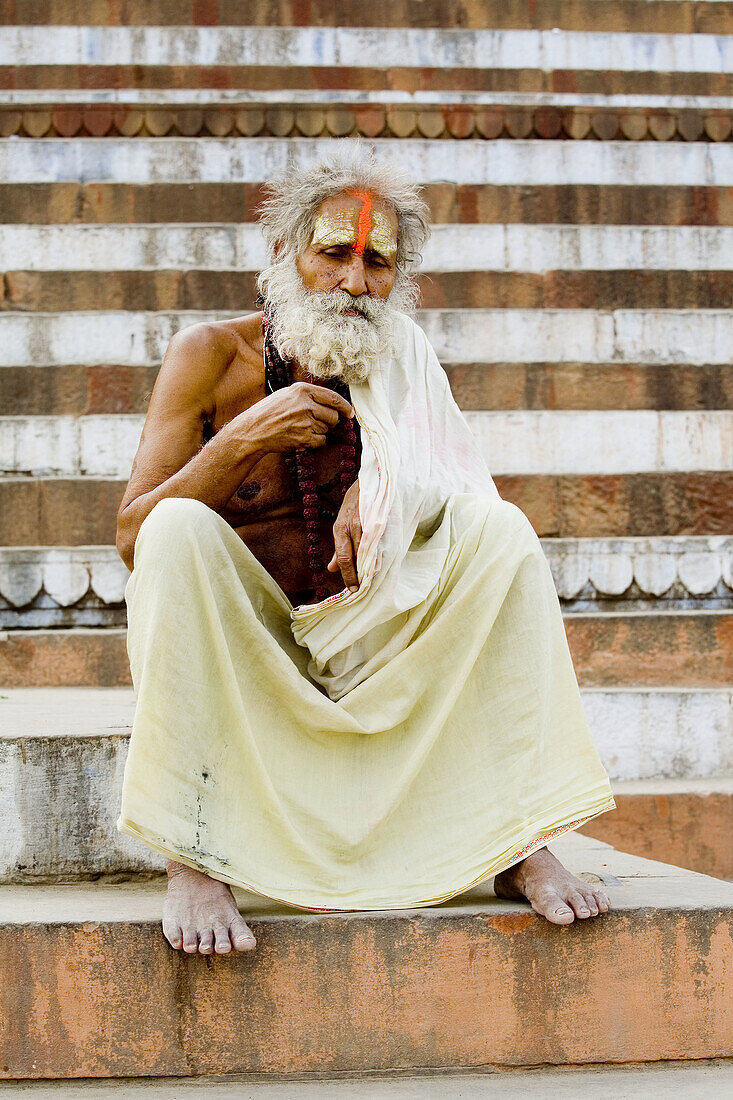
pixel 346 537
pixel 296 416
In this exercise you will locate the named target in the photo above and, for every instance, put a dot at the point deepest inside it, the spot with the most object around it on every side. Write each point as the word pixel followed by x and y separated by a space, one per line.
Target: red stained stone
pixel 547 122
pixel 67 120
pixel 98 121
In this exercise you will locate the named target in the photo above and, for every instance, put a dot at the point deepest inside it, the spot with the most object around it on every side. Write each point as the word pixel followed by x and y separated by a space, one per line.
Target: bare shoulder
pixel 199 354
pixel 198 357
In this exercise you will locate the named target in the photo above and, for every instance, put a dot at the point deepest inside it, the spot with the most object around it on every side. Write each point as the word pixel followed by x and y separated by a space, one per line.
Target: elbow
pixel 125 543
pixel 126 550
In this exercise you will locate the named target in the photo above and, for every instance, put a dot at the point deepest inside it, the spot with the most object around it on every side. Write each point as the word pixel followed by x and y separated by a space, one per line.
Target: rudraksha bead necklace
pixel 301 465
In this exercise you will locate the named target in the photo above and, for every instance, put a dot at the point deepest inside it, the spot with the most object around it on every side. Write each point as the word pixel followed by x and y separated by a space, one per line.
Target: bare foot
pixel 550 889
pixel 200 914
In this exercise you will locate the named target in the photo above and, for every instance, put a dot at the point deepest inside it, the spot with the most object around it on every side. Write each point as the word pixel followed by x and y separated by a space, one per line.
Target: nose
pixel 353 279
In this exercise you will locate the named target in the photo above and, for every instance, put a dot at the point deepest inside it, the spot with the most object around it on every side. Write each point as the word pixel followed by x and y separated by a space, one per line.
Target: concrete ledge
pixel 89 986
pixel 688 822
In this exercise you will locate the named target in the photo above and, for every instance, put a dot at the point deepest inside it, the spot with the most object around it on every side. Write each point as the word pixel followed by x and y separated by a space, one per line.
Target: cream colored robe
pixel 383 749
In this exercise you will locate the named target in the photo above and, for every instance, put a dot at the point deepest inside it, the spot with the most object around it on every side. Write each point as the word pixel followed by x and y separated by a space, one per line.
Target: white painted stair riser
pixel 232 247
pixel 502 162
pixel 524 442
pixel 652 337
pixel 366 47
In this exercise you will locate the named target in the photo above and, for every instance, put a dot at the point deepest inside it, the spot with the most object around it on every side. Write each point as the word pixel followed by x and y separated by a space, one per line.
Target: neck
pixel 300 374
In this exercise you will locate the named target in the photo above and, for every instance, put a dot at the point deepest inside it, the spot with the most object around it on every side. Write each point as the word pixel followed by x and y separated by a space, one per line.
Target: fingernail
pixel 353 588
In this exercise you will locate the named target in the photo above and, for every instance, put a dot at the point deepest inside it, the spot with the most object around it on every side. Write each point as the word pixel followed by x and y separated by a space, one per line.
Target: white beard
pixel 311 328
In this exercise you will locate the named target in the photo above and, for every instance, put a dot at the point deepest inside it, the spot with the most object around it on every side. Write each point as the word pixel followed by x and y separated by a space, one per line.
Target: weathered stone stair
pixel 578 162
pixel 91 989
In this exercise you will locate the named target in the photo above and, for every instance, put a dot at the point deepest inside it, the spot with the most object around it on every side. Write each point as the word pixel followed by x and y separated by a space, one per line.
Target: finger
pixel 325 396
pixel 324 414
pixel 317 439
pixel 355 535
pixel 332 565
pixel 345 559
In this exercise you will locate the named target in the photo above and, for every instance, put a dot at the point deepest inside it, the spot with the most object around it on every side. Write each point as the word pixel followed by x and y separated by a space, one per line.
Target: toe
pixel 223 943
pixel 552 906
pixel 172 932
pixel 578 903
pixel 190 939
pixel 602 901
pixel 206 942
pixel 590 901
pixel 241 935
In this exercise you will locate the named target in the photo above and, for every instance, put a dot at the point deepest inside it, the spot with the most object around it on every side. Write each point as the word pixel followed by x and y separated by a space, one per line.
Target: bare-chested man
pixel 341 242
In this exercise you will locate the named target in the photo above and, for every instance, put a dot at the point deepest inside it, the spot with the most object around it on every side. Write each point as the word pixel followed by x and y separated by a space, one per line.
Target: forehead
pixel 352 204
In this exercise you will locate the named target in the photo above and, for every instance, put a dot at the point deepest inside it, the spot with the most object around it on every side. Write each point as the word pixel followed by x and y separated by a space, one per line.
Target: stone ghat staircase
pixel 578 164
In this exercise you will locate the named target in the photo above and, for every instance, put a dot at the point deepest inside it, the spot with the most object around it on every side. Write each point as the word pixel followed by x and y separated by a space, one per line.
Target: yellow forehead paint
pixel 364 228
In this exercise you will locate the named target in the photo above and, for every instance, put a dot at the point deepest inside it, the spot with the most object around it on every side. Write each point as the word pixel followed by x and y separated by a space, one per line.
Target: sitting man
pixel 353 685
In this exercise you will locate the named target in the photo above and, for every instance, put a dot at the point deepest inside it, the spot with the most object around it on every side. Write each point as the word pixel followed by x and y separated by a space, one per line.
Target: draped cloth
pixel 383 749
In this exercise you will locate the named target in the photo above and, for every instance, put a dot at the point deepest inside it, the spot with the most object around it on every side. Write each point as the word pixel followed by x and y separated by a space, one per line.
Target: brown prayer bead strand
pixel 305 466
pixel 301 463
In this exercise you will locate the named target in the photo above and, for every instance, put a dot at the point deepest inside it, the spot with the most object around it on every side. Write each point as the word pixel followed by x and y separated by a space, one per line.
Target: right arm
pixel 169 460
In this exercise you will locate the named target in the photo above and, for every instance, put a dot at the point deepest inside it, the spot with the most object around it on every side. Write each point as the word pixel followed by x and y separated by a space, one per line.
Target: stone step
pixel 172 290
pixel 90 988
pixel 43 587
pixel 325 98
pixel 517 442
pixel 708 1079
pixel 82 511
pixel 78 389
pixel 665 336
pixel 676 17
pixel 504 162
pixel 403 78
pixel 687 822
pixel 669 753
pixel 338 47
pixel 307 113
pixel 231 248
pixel 612 649
pixel 532 202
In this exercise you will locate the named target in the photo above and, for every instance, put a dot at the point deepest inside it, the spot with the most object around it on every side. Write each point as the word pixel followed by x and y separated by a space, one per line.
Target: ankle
pixel 174 869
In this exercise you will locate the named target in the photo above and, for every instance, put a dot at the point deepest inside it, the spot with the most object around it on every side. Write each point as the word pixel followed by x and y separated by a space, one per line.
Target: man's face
pixel 353 247
pixel 329 304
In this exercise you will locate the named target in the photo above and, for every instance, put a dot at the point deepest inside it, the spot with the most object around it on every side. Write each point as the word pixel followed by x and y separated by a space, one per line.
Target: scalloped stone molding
pixel 85 585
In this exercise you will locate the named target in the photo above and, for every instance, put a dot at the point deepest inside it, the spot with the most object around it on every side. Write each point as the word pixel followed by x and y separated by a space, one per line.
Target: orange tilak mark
pixel 365 220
